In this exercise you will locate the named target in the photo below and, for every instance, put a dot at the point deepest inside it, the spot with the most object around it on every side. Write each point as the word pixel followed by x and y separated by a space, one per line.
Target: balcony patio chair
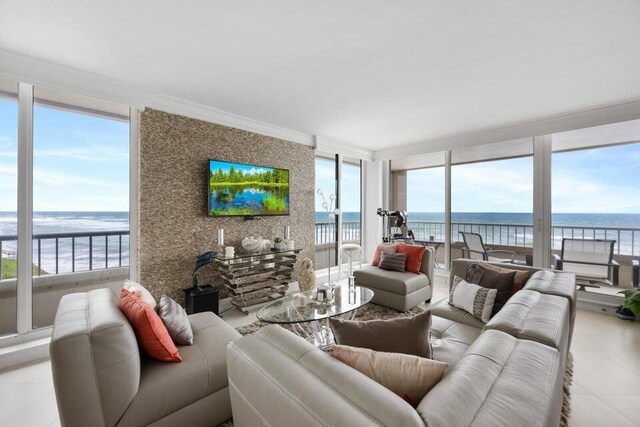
pixel 475 249
pixel 591 260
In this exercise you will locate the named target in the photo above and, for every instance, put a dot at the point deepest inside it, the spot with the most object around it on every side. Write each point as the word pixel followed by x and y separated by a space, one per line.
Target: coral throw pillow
pixel 386 248
pixel 410 377
pixel 149 329
pixel 415 253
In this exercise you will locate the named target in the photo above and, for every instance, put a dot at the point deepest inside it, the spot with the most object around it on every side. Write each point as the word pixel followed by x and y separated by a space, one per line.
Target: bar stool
pixel 349 250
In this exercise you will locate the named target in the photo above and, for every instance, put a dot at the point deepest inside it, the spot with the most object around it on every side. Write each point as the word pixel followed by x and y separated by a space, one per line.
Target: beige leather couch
pixel 101 379
pixel 508 372
pixel 399 290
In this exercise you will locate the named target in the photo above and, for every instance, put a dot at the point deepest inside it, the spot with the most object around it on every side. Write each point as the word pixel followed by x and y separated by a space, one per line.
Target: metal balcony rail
pixel 515 235
pixel 326 232
pixel 95 241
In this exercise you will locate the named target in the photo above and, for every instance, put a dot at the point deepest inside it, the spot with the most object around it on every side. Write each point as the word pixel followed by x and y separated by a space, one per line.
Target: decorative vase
pixel 307 276
pixel 253 244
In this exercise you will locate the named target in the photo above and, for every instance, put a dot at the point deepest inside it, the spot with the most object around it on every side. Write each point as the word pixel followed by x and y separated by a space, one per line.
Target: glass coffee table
pixel 307 320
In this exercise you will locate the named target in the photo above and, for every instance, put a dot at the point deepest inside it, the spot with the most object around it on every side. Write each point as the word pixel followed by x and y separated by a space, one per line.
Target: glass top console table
pixel 257 277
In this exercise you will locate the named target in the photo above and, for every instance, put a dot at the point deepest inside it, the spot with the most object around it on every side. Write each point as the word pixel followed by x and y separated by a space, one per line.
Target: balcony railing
pixel 326 232
pixel 70 252
pixel 516 235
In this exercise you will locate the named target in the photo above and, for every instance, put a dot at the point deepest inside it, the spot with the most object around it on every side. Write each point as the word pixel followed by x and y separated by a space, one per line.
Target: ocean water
pixel 71 222
pixel 510 229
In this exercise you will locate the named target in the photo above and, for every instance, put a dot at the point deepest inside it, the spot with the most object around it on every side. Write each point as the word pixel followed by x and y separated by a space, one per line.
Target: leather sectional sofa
pixel 101 379
pixel 508 372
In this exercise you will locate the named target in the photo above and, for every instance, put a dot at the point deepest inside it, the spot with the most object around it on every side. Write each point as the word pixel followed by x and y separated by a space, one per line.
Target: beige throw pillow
pixel 410 377
pixel 141 292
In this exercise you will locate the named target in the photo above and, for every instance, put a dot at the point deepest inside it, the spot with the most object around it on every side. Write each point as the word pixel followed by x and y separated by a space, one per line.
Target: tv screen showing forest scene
pixel 237 189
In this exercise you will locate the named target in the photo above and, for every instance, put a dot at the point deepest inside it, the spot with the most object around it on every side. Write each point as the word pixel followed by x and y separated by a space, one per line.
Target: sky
pixel 601 180
pixel 325 179
pixel 81 162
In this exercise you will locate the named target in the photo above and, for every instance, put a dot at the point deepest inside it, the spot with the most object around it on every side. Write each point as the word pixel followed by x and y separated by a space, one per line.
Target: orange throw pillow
pixel 150 331
pixel 388 248
pixel 415 253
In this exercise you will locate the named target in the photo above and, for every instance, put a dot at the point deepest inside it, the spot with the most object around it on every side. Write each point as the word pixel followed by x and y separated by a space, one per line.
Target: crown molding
pixel 575 120
pixel 334 146
pixel 27 69
pixel 171 104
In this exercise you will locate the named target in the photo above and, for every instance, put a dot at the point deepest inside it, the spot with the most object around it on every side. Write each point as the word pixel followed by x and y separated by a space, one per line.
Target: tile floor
pixel 605 391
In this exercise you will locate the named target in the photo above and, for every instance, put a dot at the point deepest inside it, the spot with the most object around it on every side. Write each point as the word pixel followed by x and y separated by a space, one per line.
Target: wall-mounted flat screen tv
pixel 237 189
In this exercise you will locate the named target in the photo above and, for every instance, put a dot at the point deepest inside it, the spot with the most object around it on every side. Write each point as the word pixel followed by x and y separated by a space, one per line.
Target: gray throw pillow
pixel 176 321
pixel 392 262
pixel 407 335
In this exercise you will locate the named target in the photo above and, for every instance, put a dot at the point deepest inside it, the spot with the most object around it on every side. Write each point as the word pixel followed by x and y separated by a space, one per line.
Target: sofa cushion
pixel 474 299
pixel 150 331
pixel 519 280
pixel 410 377
pixel 408 335
pixel 176 320
pixel 502 281
pixel 389 248
pixel 534 316
pixel 168 387
pixel 415 254
pixel 401 283
pixel 95 359
pixel 393 262
pixel 140 291
pixel 443 309
pixel 450 340
pixel 500 381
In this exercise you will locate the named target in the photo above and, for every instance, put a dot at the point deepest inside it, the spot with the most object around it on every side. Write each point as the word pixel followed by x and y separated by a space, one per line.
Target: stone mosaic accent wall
pixel 173 183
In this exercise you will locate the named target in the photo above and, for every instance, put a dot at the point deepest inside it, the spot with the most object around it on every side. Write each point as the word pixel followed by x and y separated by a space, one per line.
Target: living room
pixel 336 213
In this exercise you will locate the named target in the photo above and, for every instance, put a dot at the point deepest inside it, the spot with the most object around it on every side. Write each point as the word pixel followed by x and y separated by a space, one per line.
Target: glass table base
pixel 318 332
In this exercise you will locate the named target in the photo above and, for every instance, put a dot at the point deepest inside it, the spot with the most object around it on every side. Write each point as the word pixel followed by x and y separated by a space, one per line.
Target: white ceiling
pixel 375 73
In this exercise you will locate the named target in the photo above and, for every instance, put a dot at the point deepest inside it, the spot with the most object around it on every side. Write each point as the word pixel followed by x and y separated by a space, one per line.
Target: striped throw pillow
pixel 473 299
pixel 392 262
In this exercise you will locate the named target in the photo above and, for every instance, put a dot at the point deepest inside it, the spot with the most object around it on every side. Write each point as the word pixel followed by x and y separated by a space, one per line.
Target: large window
pixel 494 199
pixel 596 194
pixel 425 203
pixel 8 205
pixel 325 220
pixel 350 189
pixel 80 196
pixel 79 188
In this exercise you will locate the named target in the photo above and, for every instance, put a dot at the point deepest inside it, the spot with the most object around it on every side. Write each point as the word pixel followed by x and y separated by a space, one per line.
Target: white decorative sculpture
pixel 307 276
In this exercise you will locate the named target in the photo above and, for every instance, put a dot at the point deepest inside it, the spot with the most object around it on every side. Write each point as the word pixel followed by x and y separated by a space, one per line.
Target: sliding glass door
pixel 8 206
pixel 325 219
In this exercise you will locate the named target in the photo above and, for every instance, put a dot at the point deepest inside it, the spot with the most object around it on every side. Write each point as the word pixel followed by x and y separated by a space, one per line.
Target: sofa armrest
pixel 278 378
